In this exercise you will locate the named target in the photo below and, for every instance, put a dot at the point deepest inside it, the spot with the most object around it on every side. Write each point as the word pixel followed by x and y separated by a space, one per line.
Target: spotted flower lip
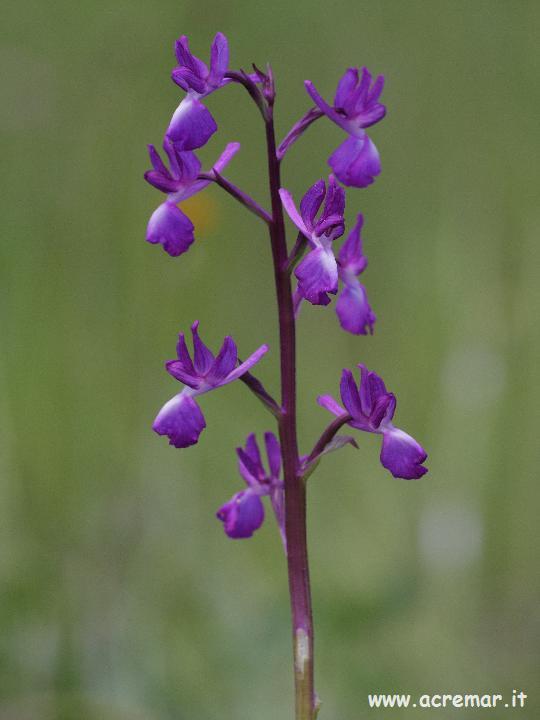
pixel 243 514
pixel 168 225
pixel 372 409
pixel 181 419
pixel 352 307
pixel 317 274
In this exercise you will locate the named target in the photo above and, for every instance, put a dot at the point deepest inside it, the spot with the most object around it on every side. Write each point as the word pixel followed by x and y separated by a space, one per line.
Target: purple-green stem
pixel 295 489
pixel 306 705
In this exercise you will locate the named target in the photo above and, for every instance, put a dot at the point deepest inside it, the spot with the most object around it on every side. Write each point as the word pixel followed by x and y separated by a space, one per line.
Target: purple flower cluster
pixel 320 270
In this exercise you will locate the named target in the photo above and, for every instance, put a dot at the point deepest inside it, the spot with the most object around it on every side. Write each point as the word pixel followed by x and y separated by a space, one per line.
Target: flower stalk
pixel 295 489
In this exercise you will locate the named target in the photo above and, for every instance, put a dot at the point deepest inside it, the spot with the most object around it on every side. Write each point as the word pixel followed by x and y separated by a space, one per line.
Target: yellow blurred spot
pixel 202 210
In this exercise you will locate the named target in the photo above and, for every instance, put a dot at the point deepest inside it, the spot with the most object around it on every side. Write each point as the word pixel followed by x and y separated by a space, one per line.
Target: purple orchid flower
pixel 372 409
pixel 192 124
pixel 317 274
pixel 356 161
pixel 352 307
pixel 244 512
pixel 168 225
pixel 181 419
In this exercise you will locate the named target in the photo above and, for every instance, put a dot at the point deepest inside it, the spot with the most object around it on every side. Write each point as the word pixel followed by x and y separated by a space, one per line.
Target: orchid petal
pixel 171 228
pixel 353 309
pixel 252 449
pixel 219 59
pixel 328 403
pixel 402 455
pixel 292 212
pixel 223 364
pixel 246 365
pixel 317 274
pixel 242 515
pixel 356 162
pixel 345 87
pixel 192 125
pixel 203 358
pixel 226 156
pixel 311 202
pixel 273 451
pixel 349 394
pixel 181 420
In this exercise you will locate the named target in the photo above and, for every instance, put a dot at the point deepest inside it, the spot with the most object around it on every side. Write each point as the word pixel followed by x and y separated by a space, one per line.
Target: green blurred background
pixel 121 597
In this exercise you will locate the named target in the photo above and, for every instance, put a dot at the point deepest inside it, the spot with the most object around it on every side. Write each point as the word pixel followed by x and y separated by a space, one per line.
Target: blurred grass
pixel 120 596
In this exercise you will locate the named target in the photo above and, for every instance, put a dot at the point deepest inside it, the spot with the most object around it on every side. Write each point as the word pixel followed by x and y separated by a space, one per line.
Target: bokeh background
pixel 121 597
